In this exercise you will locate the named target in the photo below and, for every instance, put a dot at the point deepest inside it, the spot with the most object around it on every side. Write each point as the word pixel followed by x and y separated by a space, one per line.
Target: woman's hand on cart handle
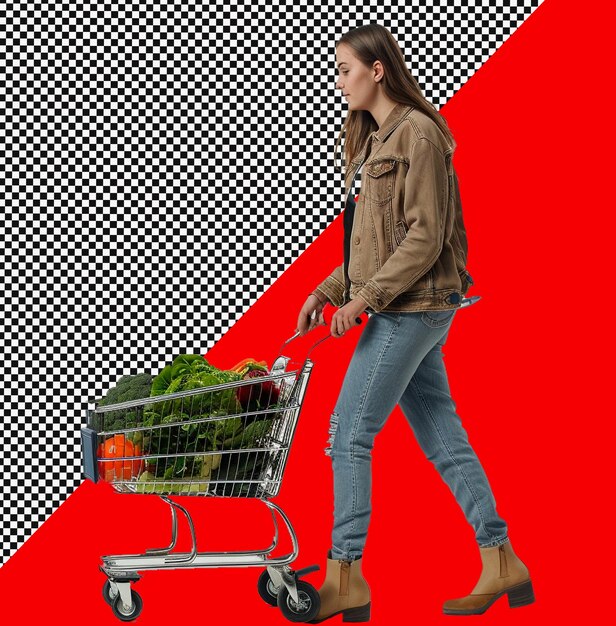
pixel 347 316
pixel 311 315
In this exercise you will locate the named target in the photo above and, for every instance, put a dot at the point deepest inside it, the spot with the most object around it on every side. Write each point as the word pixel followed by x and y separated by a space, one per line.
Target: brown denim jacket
pixel 408 243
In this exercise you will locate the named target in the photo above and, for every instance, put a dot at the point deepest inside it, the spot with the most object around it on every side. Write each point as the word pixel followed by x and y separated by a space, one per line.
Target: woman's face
pixel 356 81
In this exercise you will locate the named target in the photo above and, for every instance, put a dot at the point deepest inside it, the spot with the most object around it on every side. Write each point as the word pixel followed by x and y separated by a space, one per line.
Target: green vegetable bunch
pixel 192 371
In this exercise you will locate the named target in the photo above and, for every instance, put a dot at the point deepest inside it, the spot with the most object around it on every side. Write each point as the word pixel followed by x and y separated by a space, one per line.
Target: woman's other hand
pixel 306 322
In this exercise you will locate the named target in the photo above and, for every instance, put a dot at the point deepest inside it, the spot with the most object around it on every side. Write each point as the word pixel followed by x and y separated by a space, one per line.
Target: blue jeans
pixel 399 359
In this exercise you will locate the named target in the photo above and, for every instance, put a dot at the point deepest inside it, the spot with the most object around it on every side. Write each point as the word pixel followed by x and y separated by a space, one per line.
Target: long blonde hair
pixel 370 43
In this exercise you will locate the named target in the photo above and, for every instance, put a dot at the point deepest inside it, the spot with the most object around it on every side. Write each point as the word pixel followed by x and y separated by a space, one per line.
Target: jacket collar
pixel 395 117
pixel 393 120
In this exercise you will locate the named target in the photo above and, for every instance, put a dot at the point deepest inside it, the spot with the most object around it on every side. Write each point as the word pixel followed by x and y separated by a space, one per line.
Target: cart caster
pixel 267 590
pixel 108 593
pixel 306 609
pixel 122 613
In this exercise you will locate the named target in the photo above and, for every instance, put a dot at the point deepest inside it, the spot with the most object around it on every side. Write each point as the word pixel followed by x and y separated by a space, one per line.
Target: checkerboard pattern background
pixel 157 160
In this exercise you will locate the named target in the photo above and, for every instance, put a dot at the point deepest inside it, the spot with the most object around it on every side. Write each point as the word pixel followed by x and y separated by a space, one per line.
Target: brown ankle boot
pixel 503 572
pixel 344 591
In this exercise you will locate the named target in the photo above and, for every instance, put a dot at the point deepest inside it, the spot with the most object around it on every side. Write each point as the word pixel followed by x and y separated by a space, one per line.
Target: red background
pixel 528 368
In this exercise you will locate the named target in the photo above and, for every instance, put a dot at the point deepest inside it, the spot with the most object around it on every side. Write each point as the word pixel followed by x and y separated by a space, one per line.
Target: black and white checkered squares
pixel 150 151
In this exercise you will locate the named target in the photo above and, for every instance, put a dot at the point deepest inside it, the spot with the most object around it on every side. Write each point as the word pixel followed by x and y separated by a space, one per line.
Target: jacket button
pixel 356 240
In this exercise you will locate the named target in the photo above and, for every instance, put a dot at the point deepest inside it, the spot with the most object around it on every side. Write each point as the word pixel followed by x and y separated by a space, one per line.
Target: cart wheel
pixel 109 599
pixel 119 611
pixel 266 589
pixel 308 606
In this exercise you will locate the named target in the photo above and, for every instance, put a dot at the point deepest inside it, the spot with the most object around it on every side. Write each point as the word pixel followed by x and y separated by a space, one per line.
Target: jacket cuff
pixel 376 297
pixel 331 289
pixel 321 297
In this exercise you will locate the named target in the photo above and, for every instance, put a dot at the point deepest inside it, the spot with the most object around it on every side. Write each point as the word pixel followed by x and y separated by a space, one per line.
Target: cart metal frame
pixel 123 569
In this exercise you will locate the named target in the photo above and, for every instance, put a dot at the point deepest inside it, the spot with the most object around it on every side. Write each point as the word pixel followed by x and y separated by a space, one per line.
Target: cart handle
pixel 358 320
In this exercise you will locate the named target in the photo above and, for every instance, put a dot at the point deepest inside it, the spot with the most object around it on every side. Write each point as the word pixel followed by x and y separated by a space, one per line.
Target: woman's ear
pixel 377 66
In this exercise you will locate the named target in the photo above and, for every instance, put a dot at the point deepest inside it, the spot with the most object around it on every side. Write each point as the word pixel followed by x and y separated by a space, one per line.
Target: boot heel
pixel 357 614
pixel 521 595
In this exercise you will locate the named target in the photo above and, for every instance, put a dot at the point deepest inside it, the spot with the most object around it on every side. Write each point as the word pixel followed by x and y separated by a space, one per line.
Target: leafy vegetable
pixel 192 371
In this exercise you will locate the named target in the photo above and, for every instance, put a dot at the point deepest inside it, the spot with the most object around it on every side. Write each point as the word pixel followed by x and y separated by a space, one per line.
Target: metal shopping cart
pixel 165 445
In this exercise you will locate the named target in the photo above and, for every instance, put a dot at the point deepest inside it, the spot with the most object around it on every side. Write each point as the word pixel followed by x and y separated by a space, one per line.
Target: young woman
pixel 405 265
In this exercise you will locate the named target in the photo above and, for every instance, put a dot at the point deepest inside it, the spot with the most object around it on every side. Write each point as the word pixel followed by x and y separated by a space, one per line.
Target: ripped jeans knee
pixel 333 428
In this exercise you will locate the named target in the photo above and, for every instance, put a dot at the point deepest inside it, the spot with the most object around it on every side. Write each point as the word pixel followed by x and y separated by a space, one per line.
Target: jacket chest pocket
pixel 380 180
